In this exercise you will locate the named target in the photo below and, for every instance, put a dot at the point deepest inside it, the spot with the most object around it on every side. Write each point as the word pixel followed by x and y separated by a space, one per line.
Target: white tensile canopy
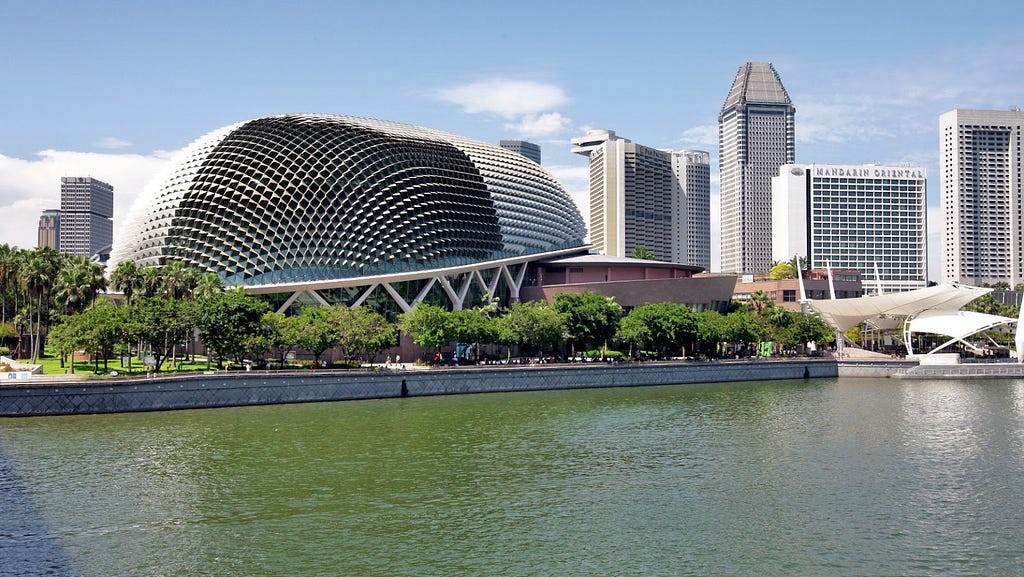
pixel 935 309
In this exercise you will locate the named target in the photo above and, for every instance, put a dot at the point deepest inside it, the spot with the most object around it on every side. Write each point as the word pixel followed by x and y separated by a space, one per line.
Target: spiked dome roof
pixel 312 197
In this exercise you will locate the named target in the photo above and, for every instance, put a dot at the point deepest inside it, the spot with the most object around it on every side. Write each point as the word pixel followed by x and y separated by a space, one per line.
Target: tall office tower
pixel 527 149
pixel 693 175
pixel 49 229
pixel 864 217
pixel 86 213
pixel 755 137
pixel 981 201
pixel 645 197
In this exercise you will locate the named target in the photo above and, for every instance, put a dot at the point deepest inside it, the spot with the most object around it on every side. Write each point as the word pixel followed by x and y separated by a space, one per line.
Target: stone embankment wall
pixel 264 388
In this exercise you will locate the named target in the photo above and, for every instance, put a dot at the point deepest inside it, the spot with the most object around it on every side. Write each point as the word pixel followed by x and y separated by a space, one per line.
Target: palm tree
pixel 152 281
pixel 799 264
pixel 36 277
pixel 179 280
pixel 72 291
pixel 126 278
pixel 10 259
pixel 208 285
pixel 643 253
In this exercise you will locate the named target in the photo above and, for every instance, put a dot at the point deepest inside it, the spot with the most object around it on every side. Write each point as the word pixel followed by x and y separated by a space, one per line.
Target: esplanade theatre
pixel 315 209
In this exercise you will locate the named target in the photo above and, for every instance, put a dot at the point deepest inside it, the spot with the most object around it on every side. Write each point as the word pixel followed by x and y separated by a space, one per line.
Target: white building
pixel 981 163
pixel 756 136
pixel 646 197
pixel 863 217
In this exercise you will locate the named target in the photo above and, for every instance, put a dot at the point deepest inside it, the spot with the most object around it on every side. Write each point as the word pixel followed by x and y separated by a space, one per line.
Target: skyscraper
pixel 646 197
pixel 527 149
pixel 86 213
pixel 981 201
pixel 756 136
pixel 862 217
pixel 693 177
pixel 49 229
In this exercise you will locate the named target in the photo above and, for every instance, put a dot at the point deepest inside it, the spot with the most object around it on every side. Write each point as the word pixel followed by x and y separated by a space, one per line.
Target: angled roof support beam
pixel 447 286
pixel 316 296
pixel 366 294
pixel 406 307
pixel 289 302
pixel 423 292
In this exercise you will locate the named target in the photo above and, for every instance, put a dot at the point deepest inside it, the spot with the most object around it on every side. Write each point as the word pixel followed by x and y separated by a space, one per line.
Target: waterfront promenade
pixel 225 389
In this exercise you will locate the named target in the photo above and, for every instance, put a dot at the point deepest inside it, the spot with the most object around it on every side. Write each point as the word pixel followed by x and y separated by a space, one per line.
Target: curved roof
pixel 958 324
pixel 596 259
pixel 313 197
pixel 843 314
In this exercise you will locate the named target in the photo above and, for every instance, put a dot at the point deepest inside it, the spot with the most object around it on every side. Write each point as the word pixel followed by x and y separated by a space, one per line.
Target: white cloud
pixel 506 98
pixel 549 124
pixel 112 142
pixel 701 136
pixel 837 122
pixel 31 186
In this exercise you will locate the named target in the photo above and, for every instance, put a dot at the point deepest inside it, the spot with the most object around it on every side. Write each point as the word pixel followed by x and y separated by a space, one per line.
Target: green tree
pixel 530 325
pixel 229 321
pixel 803 329
pixel 37 276
pixel 590 319
pixel 282 334
pixel 664 327
pixel 428 325
pixel 741 329
pixel 76 284
pixel 10 263
pixel 318 330
pixel 473 326
pixel 800 264
pixel 364 331
pixel 984 304
pixel 710 328
pixel 157 323
pixel 208 284
pixel 66 338
pixel 643 253
pixel 126 278
pixel 782 270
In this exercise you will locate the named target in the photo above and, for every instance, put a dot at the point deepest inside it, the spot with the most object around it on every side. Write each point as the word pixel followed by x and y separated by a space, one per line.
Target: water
pixel 820 477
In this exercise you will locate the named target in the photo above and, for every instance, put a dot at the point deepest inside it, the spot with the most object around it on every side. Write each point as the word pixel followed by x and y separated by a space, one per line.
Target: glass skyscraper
pixel 756 136
pixel 86 216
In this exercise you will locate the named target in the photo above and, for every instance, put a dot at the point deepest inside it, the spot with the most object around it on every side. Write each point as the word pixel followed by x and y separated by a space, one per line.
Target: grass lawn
pixel 51 366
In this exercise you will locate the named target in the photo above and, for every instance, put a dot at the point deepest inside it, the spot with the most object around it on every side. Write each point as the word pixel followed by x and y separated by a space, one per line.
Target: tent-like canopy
pixel 842 314
pixel 957 325
pixel 935 309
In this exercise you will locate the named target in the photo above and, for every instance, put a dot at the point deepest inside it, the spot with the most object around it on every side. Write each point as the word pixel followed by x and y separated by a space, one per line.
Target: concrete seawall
pixel 259 388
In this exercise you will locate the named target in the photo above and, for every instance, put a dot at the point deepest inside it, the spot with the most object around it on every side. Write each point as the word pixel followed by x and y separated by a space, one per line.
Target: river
pixel 819 477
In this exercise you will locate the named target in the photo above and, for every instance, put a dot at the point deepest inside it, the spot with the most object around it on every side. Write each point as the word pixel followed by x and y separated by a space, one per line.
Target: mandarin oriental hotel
pixel 864 217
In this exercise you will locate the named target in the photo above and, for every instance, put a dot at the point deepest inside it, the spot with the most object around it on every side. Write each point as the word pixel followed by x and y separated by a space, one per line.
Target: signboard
pixel 18 375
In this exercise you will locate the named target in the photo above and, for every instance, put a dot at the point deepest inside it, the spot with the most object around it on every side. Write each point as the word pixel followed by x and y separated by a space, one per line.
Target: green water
pixel 823 477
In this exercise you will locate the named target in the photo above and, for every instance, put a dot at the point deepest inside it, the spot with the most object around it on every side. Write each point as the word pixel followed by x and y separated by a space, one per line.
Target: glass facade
pixel 303 198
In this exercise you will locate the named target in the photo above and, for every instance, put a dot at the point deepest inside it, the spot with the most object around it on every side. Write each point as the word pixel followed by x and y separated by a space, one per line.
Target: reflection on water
pixel 820 477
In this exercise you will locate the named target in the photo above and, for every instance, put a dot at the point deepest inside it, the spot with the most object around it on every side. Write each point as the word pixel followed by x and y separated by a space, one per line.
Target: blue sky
pixel 111 89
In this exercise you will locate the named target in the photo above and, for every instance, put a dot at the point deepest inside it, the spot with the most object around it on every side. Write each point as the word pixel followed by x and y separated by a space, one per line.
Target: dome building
pixel 312 208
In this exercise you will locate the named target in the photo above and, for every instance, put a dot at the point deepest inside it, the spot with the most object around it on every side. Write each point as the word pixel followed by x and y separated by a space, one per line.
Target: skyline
pixel 110 90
